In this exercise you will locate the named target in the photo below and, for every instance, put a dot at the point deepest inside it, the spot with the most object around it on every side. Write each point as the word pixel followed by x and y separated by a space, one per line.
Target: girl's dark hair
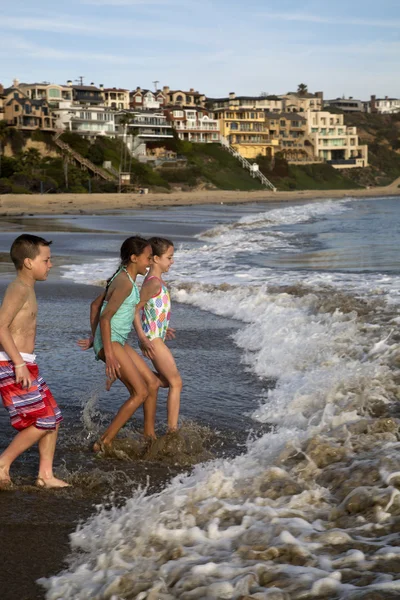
pixel 132 245
pixel 160 245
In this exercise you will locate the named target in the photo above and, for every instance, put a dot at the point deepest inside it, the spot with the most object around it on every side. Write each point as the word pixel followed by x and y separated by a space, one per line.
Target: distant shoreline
pixel 16 204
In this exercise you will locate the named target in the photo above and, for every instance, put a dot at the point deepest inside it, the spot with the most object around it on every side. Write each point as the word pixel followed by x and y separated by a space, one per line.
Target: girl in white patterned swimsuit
pixel 153 325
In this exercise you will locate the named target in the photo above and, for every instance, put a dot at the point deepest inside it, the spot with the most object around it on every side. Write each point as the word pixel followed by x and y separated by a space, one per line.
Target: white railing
pixel 252 168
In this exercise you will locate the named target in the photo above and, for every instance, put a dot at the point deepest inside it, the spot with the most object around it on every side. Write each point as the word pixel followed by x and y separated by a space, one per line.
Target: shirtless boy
pixel 30 404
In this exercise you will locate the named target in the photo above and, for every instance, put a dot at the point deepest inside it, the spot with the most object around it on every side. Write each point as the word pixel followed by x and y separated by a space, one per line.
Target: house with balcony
pixel 115 98
pixel 247 131
pixel 302 102
pixel 86 120
pixel 384 105
pixel 347 105
pixel 141 128
pixel 142 99
pixel 51 92
pixel 193 124
pixel 264 101
pixel 290 129
pixel 23 113
pixel 86 94
pixel 335 142
pixel 188 99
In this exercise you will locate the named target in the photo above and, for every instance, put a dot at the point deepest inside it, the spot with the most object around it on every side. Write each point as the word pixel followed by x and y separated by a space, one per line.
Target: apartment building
pixel 290 129
pixel 335 142
pixel 193 124
pixel 139 128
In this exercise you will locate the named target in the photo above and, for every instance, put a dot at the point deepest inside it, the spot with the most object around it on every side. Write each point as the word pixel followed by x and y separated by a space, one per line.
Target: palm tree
pixel 124 120
pixel 302 89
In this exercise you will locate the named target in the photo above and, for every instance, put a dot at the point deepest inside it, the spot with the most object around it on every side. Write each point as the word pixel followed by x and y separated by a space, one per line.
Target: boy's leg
pixel 153 384
pixel 47 448
pixel 22 441
pixel 165 364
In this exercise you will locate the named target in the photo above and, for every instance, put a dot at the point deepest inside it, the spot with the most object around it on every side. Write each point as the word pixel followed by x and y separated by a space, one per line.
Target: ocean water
pixel 288 317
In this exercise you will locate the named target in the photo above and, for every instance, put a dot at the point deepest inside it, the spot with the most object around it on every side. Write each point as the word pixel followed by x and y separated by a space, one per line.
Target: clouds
pixel 216 47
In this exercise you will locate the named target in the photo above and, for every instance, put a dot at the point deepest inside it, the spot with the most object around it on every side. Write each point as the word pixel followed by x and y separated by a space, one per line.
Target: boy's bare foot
pixel 5 480
pixel 51 483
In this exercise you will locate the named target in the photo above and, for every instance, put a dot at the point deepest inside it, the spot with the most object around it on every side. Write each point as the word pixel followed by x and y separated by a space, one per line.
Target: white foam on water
pixel 309 510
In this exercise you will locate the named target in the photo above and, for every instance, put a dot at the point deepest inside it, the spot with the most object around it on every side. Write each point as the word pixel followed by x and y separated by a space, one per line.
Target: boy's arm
pixel 14 299
pixel 148 290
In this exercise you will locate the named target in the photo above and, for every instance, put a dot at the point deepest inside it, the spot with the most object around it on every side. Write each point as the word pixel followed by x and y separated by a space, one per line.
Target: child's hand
pixel 23 376
pixel 85 343
pixel 170 335
pixel 147 348
pixel 112 368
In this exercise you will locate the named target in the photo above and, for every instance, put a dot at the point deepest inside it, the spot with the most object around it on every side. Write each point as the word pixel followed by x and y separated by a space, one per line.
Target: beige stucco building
pixel 294 102
pixel 335 142
pixel 52 93
pixel 116 98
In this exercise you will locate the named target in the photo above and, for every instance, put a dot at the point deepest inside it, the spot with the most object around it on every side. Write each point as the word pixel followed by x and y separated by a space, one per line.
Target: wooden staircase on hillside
pixel 252 168
pixel 83 162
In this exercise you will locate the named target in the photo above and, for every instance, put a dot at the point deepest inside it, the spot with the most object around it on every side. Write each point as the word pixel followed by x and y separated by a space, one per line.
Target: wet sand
pixel 17 204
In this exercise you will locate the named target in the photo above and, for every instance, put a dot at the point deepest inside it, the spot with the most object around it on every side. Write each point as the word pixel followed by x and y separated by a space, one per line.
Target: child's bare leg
pixel 22 441
pixel 153 384
pixel 165 364
pixel 47 448
pixel 136 386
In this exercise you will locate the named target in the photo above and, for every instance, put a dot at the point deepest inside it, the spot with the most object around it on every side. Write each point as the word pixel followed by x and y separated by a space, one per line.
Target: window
pixel 54 93
pixel 282 123
pixel 16 108
pixel 234 126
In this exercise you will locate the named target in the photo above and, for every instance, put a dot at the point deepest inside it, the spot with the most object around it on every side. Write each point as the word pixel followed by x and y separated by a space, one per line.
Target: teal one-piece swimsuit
pixel 122 320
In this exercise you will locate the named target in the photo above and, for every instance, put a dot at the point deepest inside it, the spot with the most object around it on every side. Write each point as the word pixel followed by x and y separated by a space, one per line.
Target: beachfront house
pixel 184 99
pixel 347 105
pixel 384 105
pixel 143 99
pixel 142 129
pixel 89 121
pixel 335 142
pixel 302 101
pixel 264 101
pixel 23 113
pixel 290 129
pixel 193 124
pixel 247 131
pixel 115 98
pixel 51 92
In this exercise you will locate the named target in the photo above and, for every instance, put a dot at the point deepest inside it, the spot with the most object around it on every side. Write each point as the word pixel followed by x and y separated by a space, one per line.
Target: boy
pixel 31 406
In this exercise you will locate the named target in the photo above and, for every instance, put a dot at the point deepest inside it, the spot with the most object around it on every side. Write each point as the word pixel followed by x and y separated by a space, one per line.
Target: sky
pixel 341 47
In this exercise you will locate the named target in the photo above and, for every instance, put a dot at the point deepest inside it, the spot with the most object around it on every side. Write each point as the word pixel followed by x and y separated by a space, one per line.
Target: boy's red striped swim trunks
pixel 28 406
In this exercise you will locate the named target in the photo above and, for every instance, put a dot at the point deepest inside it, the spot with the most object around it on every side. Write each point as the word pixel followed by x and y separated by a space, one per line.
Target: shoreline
pixel 35 204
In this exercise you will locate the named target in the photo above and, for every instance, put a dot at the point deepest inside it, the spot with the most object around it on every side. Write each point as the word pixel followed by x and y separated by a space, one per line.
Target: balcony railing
pixel 198 127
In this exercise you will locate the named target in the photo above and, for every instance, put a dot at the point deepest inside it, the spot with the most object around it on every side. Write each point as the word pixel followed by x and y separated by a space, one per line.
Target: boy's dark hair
pixel 160 245
pixel 26 246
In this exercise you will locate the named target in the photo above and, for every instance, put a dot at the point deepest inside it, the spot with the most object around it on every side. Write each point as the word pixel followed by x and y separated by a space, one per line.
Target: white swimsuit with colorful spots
pixel 157 313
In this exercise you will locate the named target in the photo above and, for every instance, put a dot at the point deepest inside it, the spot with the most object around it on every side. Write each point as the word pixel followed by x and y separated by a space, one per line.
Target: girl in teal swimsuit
pixel 153 325
pixel 111 319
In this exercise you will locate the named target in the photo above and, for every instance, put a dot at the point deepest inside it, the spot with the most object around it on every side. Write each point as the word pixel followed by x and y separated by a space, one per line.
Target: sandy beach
pixel 16 204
